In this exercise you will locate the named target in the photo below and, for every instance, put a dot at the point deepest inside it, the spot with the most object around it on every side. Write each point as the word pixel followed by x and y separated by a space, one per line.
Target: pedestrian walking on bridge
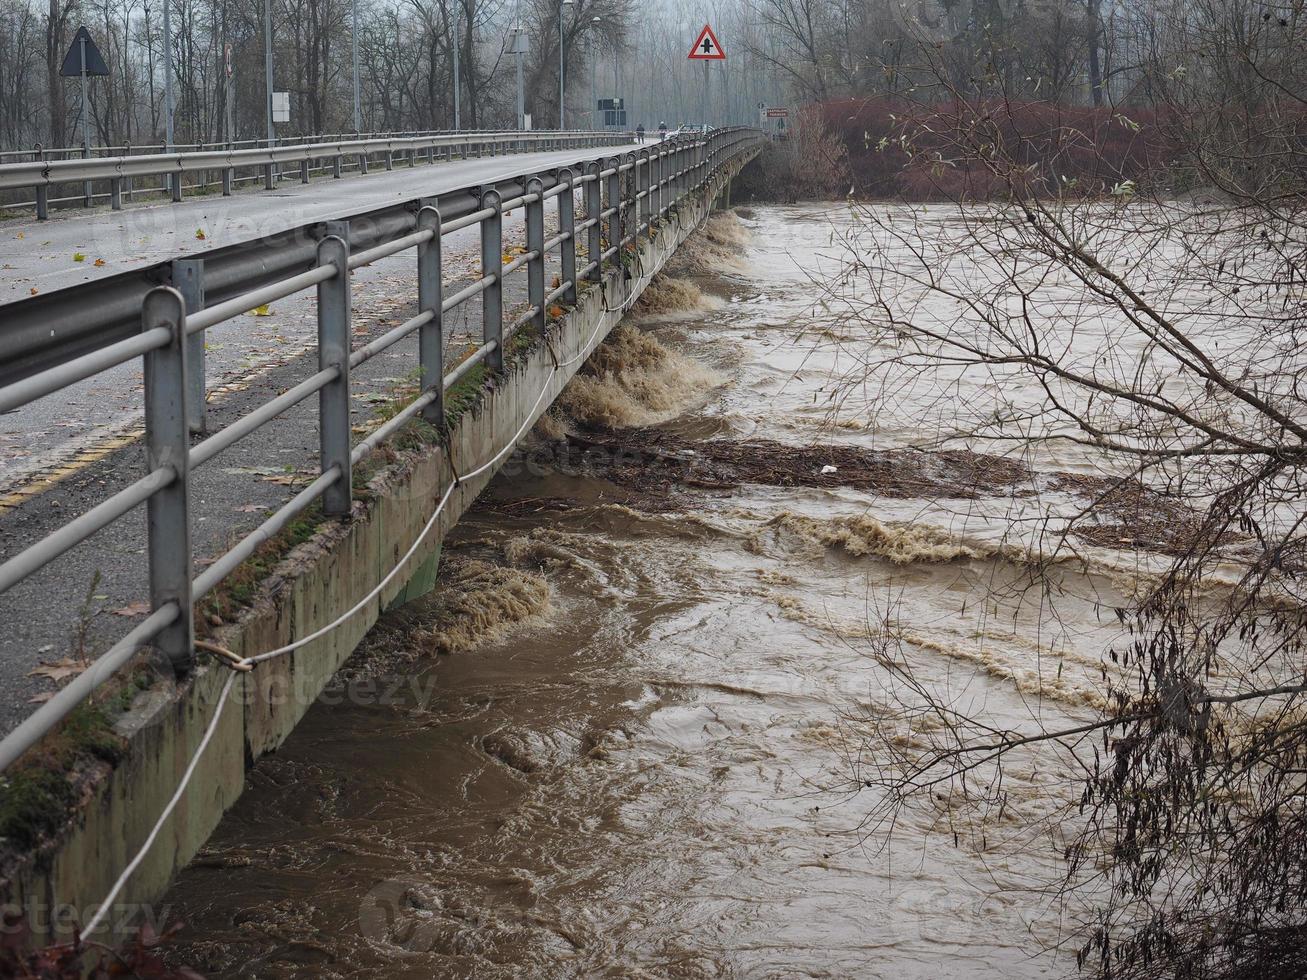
pixel 662 131
pixel 639 133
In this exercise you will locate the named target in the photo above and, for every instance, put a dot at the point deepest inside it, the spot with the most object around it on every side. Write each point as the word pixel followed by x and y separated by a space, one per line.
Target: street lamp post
pixel 562 64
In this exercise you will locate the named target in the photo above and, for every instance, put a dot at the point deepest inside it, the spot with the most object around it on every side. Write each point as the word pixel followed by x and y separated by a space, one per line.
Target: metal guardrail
pixel 117 172
pixel 127 148
pixel 623 199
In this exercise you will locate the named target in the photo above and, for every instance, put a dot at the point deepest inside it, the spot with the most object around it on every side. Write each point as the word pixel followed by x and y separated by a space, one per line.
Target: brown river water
pixel 625 736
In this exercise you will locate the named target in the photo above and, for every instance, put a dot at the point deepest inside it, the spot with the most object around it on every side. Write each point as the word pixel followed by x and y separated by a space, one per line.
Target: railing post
pixel 333 352
pixel 535 242
pixel 567 226
pixel 660 190
pixel 615 205
pixel 431 342
pixel 167 443
pixel 188 279
pixel 644 184
pixel 593 210
pixel 492 264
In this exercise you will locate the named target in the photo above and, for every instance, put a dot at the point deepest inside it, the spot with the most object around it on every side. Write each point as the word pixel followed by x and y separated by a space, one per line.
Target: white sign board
pixel 280 107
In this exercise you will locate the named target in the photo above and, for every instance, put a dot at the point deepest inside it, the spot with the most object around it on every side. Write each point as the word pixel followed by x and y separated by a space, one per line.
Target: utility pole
pixel 562 66
pixel 594 59
pixel 267 65
pixel 167 79
pixel 521 90
pixel 354 46
pixel 458 8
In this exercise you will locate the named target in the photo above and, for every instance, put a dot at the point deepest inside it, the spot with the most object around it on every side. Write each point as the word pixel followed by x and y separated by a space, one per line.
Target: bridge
pixel 225 508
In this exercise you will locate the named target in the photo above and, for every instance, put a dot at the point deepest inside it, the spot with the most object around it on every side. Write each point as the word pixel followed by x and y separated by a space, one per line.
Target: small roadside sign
pixel 778 113
pixel 73 67
pixel 706 47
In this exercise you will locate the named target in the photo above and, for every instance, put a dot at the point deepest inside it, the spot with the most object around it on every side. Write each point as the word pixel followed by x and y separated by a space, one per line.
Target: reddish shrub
pixel 929 152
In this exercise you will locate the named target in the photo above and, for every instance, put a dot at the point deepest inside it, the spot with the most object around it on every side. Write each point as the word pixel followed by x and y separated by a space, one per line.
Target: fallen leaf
pixel 555 311
pixel 79 257
pixel 41 698
pixel 250 509
pixel 132 609
pixel 20 235
pixel 98 262
pixel 264 310
pixel 60 670
pixel 200 235
pixel 33 290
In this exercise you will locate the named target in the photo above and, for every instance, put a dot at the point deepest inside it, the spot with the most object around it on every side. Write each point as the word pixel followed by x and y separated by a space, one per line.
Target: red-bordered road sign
pixel 707 47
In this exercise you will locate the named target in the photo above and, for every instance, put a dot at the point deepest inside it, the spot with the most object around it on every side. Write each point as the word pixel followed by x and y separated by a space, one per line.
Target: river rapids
pixel 625 736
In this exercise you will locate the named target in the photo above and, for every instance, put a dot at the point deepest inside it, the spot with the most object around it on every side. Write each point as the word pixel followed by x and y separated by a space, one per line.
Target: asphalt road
pixel 42 255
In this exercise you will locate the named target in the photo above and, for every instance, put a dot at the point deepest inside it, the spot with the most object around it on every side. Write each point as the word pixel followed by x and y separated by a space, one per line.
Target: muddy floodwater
pixel 628 734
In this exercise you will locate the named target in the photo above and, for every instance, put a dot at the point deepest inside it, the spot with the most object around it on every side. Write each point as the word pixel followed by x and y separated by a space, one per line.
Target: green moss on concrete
pixel 38 792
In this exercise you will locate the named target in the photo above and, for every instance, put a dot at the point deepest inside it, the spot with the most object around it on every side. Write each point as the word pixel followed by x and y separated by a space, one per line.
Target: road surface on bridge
pixel 40 255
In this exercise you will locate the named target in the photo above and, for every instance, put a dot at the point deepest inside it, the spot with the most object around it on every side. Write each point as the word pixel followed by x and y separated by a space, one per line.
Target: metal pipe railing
pixel 654 183
pixel 115 172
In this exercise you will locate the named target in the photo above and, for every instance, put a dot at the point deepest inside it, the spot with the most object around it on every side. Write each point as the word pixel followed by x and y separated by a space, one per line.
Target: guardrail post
pixel 304 171
pixel 535 242
pixel 335 166
pixel 227 174
pixel 431 336
pixel 660 193
pixel 593 209
pixel 115 193
pixel 333 352
pixel 644 184
pixel 176 186
pixel 567 226
pixel 188 279
pixel 269 178
pixel 390 160
pixel 615 205
pixel 363 163
pixel 42 202
pixel 492 264
pixel 167 443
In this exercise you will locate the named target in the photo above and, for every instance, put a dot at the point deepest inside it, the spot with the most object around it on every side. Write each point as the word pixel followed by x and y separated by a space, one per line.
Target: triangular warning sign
pixel 707 47
pixel 72 66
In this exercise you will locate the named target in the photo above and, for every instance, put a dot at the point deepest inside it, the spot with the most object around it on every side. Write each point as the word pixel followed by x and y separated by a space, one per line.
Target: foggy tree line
pixel 613 48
